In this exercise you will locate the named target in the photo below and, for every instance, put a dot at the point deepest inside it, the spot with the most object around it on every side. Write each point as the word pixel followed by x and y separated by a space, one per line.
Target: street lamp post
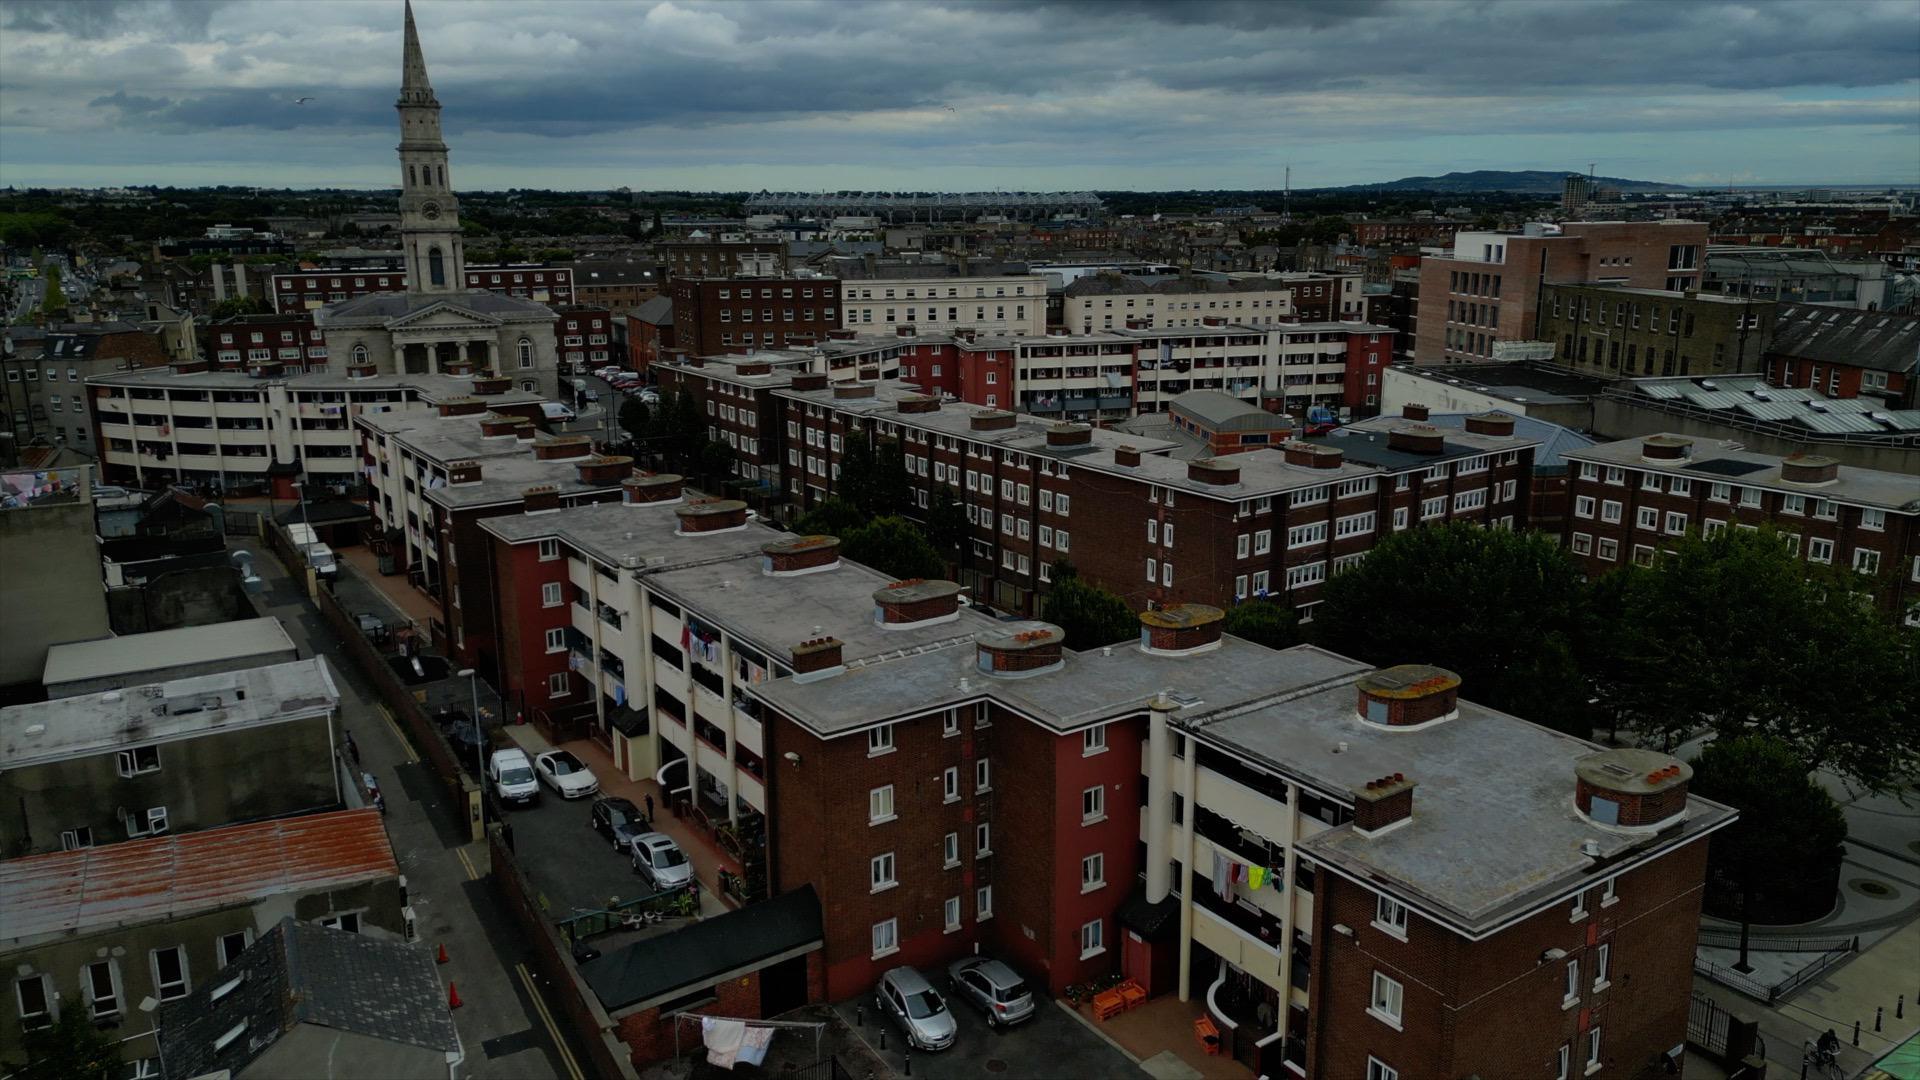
pixel 479 730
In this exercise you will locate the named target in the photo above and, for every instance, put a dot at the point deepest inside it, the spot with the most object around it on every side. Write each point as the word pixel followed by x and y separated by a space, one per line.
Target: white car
pixel 567 775
pixel 657 858
pixel 512 776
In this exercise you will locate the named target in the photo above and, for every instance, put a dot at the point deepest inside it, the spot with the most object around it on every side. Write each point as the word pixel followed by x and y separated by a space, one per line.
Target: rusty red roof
pixel 170 877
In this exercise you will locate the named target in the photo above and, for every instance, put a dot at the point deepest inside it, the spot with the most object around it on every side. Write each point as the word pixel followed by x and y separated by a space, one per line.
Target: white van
pixel 557 412
pixel 511 775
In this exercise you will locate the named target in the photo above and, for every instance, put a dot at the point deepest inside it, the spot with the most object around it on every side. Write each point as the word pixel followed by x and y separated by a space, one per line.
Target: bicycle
pixel 1823 1063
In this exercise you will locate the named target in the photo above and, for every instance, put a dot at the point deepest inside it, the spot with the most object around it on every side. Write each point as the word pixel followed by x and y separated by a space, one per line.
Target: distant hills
pixel 1483 181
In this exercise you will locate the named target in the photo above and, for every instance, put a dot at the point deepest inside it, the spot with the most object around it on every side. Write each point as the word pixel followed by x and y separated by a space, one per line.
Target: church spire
pixel 414 87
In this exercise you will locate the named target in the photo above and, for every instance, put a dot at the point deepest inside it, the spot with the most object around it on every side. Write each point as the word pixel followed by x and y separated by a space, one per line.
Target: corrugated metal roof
pixel 1717 399
pixel 1772 410
pixel 1902 419
pixel 1835 423
pixel 1667 391
pixel 171 877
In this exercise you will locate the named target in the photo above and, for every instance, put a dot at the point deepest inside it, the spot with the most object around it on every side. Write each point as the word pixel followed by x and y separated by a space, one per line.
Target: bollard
pixel 883 1038
pixel 1806 1057
pixel 906 1053
pixel 1877 1011
pixel 1900 1007
pixel 860 1016
pixel 1856 1033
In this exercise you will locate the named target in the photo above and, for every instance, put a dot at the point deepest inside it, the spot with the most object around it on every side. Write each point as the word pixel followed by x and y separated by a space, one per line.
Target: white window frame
pixel 170 991
pixel 551 595
pixel 983 903
pixel 882 872
pixel 880 740
pixel 951 914
pixel 138 760
pixel 1093 939
pixel 1093 740
pixel 950 784
pixel 1386 1002
pixel 1093 804
pixel 1571 991
pixel 880 805
pixel 1093 872
pixel 1390 916
pixel 885 938
pixel 950 851
pixel 1380 1070
pixel 982 840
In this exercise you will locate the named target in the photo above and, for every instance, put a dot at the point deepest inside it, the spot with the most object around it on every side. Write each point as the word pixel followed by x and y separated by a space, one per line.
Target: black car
pixel 618 820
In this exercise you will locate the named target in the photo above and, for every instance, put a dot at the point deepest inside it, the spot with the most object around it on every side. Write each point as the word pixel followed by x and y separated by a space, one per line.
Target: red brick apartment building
pixel 291 340
pixel 649 333
pixel 1488 290
pixel 1633 498
pixel 741 314
pixel 948 782
pixel 584 336
pixel 306 290
pixel 1841 353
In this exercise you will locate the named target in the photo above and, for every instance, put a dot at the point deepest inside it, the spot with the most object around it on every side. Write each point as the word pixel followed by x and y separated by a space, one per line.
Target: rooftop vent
pixel 536 500
pixel 562 447
pixel 1809 469
pixel 1666 448
pixel 758 367
pixel 650 488
pixel 603 469
pixel 817 658
pixel 463 472
pixel 915 602
pixel 1029 650
pixel 1069 435
pixel 711 515
pixel 1384 802
pixel 810 380
pixel 462 406
pixel 1408 695
pixel 799 555
pixel 1629 788
pixel 918 403
pixel 1313 455
pixel 1416 438
pixel 990 420
pixel 1179 629
pixel 1126 455
pixel 495 426
pixel 1414 411
pixel 849 391
pixel 487 383
pixel 1213 471
pixel 1491 423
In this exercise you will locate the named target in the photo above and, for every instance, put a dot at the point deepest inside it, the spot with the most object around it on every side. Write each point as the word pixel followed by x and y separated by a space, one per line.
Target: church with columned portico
pixel 438 325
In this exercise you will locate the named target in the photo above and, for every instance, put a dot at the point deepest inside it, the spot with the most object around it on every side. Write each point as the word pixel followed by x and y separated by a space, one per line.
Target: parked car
pixel 617 819
pixel 916 1008
pixel 566 774
pixel 658 859
pixel 512 776
pixel 993 986
pixel 553 410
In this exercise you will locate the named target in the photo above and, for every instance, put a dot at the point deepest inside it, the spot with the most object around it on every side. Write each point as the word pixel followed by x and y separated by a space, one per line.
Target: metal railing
pixel 1730 939
pixel 1726 976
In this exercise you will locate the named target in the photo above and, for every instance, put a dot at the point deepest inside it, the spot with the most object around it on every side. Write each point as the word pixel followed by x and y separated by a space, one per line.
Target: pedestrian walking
pixel 649 809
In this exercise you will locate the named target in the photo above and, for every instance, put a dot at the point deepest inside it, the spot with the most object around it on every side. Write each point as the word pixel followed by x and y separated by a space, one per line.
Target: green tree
pixel 635 419
pixel 1327 229
pixel 713 463
pixel 833 516
pixel 1786 842
pixel 53 301
pixel 70 1048
pixel 1501 609
pixel 239 305
pixel 1737 635
pixel 947 523
pixel 895 546
pixel 678 431
pixel 873 478
pixel 1091 615
pixel 1265 622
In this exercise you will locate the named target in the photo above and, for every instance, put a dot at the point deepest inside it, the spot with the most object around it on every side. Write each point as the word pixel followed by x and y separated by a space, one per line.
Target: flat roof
pixel 1711 462
pixel 131 654
pixel 1262 472
pixel 162 712
pixel 642 537
pixel 1494 828
pixel 1519 383
pixel 1365 441
pixel 1028 433
pixel 165 878
pixel 431 388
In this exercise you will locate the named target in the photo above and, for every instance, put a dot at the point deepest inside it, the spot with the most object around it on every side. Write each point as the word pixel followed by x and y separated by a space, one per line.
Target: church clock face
pixel 431 211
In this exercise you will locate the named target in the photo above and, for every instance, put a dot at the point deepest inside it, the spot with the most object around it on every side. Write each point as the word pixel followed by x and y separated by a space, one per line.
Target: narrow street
pixel 505 1029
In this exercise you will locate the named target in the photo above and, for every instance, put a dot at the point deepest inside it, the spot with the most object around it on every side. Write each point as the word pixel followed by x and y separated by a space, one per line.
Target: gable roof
pixel 706 950
pixel 658 311
pixel 1876 340
pixel 303 973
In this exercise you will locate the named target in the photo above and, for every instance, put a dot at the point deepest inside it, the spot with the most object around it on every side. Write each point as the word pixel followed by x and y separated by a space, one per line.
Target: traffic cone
pixel 453 996
pixel 442 958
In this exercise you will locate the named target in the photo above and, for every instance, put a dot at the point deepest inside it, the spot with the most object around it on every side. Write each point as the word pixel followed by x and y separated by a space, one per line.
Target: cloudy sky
pixel 959 95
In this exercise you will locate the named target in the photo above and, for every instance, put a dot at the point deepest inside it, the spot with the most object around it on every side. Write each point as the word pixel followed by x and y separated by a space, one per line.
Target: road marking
pixel 405 746
pixel 472 874
pixel 559 1043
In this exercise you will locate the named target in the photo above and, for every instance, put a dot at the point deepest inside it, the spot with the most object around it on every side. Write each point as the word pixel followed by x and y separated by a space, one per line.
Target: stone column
pixel 1159 764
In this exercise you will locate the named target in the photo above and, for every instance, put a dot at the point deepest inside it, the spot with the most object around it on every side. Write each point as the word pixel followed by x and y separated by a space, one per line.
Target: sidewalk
pixel 708 859
pixel 1876 978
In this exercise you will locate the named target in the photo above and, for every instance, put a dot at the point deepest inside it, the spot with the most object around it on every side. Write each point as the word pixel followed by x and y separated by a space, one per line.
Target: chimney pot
pixel 1414 411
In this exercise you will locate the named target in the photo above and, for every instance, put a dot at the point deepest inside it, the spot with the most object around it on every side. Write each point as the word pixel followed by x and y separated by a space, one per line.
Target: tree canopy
pixel 1787 840
pixel 1501 609
pixel 873 479
pixel 832 516
pixel 70 1048
pixel 1264 622
pixel 53 300
pixel 895 546
pixel 1737 635
pixel 1091 615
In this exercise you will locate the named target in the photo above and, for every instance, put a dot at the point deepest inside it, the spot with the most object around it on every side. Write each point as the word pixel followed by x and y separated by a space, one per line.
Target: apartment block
pixel 1619 332
pixel 741 314
pixel 937 298
pixel 247 430
pixel 1633 498
pixel 1111 301
pixel 289 339
pixel 1487 290
pixel 310 290
pixel 1846 354
pixel 584 336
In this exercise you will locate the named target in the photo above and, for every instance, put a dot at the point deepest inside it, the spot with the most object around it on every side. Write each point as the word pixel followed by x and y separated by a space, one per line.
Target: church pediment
pixel 442 314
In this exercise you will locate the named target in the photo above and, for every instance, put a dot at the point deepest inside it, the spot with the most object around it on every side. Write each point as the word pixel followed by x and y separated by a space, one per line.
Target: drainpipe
pixel 1159 798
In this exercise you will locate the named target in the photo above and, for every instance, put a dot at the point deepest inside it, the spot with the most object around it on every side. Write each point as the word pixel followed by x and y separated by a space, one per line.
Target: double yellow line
pixel 559 1042
pixel 405 746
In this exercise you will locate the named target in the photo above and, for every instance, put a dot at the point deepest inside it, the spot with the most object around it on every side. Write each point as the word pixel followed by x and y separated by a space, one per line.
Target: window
pixel 1563 1062
pixel 1820 551
pixel 880 805
pixel 1390 915
pixel 886 938
pixel 549 550
pixel 100 983
pixel 1866 561
pixel 880 872
pixel 1093 804
pixel 153 823
pixel 1873 519
pixel 170 973
pixel 1093 939
pixel 1153 571
pixel 525 351
pixel 880 740
pixel 1593 1049
pixel 230 946
pixel 76 838
pixel 1646 517
pixel 550 595
pixel 983 903
pixel 558 685
pixel 1676 523
pixel 140 759
pixel 1601 955
pixel 982 776
pixel 1386 1001
pixel 1610 512
pixel 950 783
pixel 1262 542
pixel 1580 543
pixel 950 723
pixel 950 850
pixel 982 840
pixel 951 913
pixel 1583 506
pixel 1093 741
pixel 34 994
pixel 1380 1070
pixel 1793 504
pixel 556 640
pixel 1573 985
pixel 1093 872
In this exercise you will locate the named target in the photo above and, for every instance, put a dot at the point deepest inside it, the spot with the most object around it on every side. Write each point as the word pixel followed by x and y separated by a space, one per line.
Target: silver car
pixel 658 859
pixel 916 1008
pixel 994 987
